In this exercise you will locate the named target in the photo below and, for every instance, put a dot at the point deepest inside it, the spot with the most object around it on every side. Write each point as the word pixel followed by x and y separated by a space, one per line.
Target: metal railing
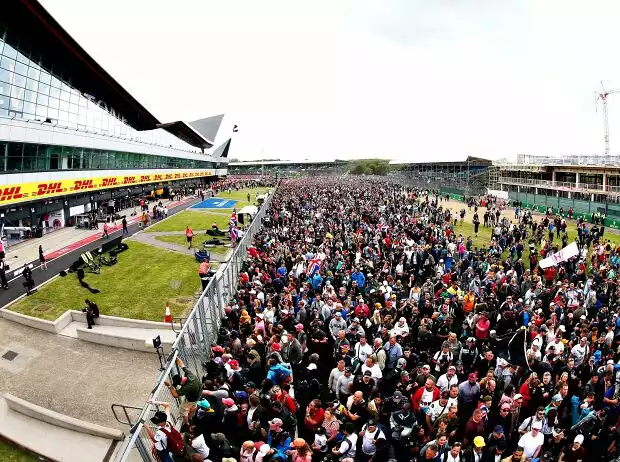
pixel 193 342
pixel 564 185
pixel 570 159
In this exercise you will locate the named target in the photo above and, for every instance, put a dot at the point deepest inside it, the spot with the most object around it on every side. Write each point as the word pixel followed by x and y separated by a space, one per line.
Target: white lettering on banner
pixel 566 253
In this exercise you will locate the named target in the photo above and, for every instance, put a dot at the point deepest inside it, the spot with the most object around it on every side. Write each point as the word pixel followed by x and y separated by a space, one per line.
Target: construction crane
pixel 602 97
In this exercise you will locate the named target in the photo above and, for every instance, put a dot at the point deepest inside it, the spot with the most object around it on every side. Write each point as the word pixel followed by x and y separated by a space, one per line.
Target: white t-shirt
pixel 200 446
pixel 161 440
pixel 530 443
pixel 348 445
pixel 436 409
pixel 427 399
pixel 368 447
pixel 444 383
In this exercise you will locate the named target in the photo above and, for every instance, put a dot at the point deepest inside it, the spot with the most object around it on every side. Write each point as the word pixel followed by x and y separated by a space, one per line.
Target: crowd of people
pixel 365 327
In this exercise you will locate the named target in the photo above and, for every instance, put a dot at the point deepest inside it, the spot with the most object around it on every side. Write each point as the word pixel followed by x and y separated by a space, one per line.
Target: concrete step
pixel 131 338
pixel 51 441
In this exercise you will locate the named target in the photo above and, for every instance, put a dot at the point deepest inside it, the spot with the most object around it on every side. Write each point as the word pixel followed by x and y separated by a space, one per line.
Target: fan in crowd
pixel 365 327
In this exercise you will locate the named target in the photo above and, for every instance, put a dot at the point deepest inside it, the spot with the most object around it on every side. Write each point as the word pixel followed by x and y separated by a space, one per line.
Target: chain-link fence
pixel 193 343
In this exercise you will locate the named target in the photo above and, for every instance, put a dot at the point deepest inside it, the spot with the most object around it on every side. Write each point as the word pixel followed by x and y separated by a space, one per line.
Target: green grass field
pixel 196 243
pixel 194 219
pixel 9 453
pixel 202 219
pixel 484 235
pixel 138 286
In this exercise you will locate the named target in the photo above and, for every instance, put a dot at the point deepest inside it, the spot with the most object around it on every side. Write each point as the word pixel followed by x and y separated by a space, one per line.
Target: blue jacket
pixel 278 373
pixel 359 278
pixel 281 448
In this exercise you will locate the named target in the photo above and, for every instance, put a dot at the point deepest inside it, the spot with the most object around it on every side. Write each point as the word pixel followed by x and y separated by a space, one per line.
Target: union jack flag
pixel 314 264
pixel 382 228
pixel 234 233
pixel 233 219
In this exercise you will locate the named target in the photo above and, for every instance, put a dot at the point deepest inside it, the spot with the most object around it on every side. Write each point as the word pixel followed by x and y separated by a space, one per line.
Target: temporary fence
pixel 193 343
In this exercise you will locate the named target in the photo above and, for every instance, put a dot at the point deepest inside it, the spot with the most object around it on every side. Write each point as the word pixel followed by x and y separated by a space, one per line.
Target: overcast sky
pixel 401 79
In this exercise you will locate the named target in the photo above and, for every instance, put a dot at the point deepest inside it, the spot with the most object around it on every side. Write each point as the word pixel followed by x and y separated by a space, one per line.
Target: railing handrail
pixel 216 299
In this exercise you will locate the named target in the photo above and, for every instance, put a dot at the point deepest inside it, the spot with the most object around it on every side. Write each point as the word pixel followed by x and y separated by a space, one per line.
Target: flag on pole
pixel 233 219
pixel 382 228
pixel 314 264
pixel 234 233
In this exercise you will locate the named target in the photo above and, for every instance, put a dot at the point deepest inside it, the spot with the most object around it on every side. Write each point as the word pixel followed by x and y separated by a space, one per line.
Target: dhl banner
pixel 12 194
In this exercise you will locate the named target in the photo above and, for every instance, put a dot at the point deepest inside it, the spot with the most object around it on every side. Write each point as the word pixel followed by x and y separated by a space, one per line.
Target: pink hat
pixel 228 402
pixel 275 346
pixel 299 326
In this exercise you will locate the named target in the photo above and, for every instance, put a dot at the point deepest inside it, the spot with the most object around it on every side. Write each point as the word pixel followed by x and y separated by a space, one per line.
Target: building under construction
pixel 584 183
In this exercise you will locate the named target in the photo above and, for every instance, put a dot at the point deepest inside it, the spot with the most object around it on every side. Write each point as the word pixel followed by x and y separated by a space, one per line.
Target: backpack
pixel 174 443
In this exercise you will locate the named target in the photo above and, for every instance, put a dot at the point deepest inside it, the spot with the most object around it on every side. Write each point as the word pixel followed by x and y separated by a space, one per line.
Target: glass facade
pixel 32 92
pixel 26 157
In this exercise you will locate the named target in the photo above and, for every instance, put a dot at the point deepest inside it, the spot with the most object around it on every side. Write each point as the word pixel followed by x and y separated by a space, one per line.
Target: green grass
pixel 194 219
pixel 484 234
pixel 196 242
pixel 138 286
pixel 9 453
pixel 202 219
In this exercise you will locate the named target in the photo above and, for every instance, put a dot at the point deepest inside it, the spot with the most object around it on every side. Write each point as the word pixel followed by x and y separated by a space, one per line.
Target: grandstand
pixel 465 177
pixel 286 168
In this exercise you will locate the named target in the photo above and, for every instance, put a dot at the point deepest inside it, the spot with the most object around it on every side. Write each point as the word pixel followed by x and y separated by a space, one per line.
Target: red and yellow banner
pixel 12 194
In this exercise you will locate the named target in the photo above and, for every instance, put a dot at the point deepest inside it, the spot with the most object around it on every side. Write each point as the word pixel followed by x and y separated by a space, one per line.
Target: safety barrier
pixel 193 343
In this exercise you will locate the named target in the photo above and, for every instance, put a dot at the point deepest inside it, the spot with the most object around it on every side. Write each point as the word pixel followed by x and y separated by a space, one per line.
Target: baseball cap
pixel 368 373
pixel 479 442
pixel 299 326
pixel 275 421
pixel 203 404
pixel 518 396
pixel 228 401
pixel 264 449
pixel 579 439
pixel 159 417
pixel 537 425
pixel 498 429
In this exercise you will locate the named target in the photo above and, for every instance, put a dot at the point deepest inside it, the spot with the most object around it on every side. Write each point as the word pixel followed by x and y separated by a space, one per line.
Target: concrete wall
pixel 54 418
pixel 49 326
pixel 115 321
pixel 138 341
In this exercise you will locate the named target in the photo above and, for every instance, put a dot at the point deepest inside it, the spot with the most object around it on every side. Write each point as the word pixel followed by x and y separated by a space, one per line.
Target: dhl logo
pixel 159 177
pixel 10 193
pixel 145 178
pixel 82 185
pixel 177 175
pixel 169 176
pixel 49 188
pixel 112 181
pixel 129 180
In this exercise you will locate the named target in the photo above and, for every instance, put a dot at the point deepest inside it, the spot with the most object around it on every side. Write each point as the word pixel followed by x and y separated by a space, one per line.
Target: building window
pixel 14 160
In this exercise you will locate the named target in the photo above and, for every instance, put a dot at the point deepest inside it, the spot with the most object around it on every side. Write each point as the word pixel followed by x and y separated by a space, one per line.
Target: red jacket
pixel 417 397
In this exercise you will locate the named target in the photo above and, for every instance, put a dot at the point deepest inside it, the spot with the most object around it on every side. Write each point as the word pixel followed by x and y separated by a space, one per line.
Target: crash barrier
pixel 193 342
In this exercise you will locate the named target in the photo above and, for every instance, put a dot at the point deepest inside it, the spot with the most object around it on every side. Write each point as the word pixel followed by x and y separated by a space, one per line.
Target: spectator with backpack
pixel 168 442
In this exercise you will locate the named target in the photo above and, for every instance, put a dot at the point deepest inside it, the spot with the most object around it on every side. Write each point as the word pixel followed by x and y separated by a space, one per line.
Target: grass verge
pixel 138 286
pixel 9 453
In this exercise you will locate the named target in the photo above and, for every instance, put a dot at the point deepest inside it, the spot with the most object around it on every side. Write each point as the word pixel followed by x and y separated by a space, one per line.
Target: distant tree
pixel 370 167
